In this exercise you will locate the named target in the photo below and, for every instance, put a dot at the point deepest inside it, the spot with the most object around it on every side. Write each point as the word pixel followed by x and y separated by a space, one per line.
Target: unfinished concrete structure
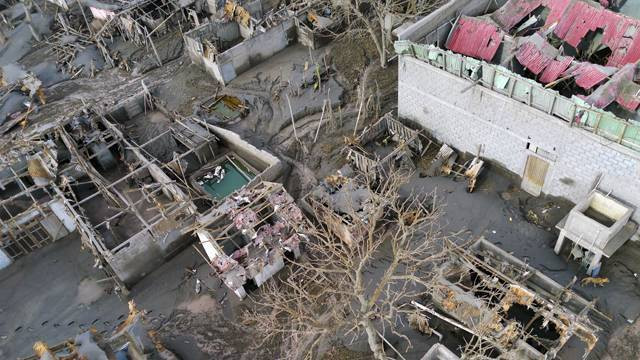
pixel 31 214
pixel 513 310
pixel 559 144
pixel 126 179
pixel 599 225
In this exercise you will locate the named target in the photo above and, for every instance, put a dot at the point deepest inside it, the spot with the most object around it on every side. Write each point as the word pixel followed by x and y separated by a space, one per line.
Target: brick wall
pixel 504 127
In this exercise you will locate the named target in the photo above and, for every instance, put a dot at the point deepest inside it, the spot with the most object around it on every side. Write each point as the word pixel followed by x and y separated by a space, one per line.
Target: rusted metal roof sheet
pixel 575 19
pixel 587 75
pixel 475 37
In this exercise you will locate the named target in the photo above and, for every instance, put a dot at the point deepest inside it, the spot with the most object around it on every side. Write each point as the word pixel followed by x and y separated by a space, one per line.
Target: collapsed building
pixel 244 37
pixel 132 339
pixel 390 144
pixel 88 36
pixel 248 237
pixel 513 310
pixel 346 202
pixel 479 75
pixel 131 181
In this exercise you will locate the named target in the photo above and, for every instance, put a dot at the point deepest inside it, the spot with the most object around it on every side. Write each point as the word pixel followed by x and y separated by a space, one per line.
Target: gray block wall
pixel 503 127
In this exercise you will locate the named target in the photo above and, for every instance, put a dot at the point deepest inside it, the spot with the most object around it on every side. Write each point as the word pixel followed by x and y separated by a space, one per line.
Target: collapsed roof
pixel 550 37
pixel 508 305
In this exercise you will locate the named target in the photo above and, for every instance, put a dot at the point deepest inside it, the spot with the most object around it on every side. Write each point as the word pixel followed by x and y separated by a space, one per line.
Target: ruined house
pixel 387 143
pixel 345 202
pixel 492 76
pixel 248 237
pixel 390 144
pixel 249 33
pixel 131 180
pixel 89 35
pixel 513 310
pixel 32 214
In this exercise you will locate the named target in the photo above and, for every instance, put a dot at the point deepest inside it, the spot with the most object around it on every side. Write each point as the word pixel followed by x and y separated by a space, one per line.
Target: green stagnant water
pixel 232 181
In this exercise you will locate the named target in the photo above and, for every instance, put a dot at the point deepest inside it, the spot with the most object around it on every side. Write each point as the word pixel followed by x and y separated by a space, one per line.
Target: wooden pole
pixel 324 103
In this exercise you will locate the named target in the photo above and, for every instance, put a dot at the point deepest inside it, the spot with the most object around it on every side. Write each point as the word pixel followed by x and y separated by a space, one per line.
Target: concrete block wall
pixel 508 131
pixel 253 51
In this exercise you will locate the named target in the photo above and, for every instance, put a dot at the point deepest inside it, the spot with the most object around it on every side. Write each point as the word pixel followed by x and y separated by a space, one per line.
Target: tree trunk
pixel 375 343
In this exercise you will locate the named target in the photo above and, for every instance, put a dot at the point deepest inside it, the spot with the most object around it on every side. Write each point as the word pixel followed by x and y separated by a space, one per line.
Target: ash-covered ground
pixel 55 292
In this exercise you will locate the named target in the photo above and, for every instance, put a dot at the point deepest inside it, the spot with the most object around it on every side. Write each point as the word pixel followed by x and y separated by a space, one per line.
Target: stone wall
pixel 508 131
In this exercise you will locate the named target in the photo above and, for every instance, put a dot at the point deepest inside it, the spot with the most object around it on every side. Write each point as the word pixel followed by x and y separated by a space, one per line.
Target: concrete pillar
pixel 594 265
pixel 559 242
pixel 5 260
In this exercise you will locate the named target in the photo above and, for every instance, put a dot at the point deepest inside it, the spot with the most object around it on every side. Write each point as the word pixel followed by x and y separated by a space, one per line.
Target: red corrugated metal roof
pixel 575 18
pixel 620 33
pixel 514 11
pixel 537 55
pixel 556 9
pixel 532 58
pixel 587 75
pixel 475 37
pixel 557 67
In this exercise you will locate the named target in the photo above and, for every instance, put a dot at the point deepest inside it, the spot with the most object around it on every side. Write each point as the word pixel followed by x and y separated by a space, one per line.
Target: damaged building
pixel 513 310
pixel 542 88
pixel 88 36
pixel 247 238
pixel 133 338
pixel 246 36
pixel 131 181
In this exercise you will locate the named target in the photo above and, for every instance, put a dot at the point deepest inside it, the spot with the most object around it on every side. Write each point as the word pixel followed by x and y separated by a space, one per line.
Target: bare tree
pixel 356 289
pixel 379 17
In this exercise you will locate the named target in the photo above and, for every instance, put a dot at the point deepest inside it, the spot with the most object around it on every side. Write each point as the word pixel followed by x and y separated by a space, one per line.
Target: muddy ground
pixel 55 292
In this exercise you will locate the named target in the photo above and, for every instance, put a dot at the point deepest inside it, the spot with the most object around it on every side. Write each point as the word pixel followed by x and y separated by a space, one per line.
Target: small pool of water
pixel 232 181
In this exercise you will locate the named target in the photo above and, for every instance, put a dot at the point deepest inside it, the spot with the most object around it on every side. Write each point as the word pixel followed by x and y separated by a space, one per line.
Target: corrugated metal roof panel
pixel 532 58
pixel 541 58
pixel 553 70
pixel 587 75
pixel 514 11
pixel 620 33
pixel 475 37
